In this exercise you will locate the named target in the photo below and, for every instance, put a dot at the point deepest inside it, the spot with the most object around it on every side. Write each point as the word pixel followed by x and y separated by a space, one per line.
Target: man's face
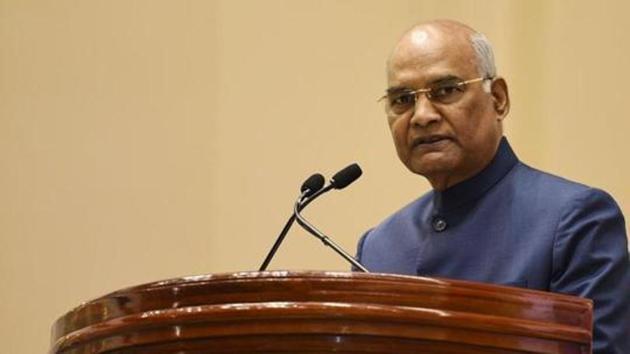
pixel 445 142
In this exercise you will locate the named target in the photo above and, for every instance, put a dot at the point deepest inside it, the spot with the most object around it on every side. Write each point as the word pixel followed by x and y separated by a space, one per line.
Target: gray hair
pixel 485 57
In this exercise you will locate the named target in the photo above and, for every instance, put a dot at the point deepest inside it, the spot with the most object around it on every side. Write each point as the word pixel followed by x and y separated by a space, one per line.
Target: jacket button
pixel 439 224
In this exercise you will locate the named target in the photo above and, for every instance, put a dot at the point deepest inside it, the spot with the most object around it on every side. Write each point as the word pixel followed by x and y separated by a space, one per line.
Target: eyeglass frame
pixel 427 91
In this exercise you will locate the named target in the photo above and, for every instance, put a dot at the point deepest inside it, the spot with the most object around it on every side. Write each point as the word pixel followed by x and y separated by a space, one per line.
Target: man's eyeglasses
pixel 400 101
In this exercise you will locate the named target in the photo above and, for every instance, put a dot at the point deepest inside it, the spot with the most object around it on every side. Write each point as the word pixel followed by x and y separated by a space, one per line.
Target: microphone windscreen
pixel 312 184
pixel 346 176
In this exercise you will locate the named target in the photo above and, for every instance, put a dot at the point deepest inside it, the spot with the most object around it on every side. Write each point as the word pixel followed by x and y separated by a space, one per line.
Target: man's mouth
pixel 429 140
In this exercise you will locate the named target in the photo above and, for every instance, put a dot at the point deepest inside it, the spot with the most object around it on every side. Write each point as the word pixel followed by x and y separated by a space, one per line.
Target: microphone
pixel 339 181
pixel 311 186
pixel 346 176
pixel 311 189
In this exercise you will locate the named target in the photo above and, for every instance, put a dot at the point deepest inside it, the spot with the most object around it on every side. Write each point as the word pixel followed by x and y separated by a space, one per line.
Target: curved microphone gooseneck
pixel 311 189
pixel 339 181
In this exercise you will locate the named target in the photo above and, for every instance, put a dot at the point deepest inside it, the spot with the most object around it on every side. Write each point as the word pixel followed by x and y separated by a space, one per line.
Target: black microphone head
pixel 312 184
pixel 346 176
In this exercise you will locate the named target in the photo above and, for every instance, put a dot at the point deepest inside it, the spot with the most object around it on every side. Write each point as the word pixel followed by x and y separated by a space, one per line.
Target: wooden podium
pixel 322 312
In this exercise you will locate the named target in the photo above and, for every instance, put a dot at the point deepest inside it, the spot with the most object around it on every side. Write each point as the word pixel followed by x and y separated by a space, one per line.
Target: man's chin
pixel 432 168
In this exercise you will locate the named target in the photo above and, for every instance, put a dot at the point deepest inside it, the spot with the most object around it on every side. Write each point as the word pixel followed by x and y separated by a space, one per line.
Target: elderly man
pixel 489 217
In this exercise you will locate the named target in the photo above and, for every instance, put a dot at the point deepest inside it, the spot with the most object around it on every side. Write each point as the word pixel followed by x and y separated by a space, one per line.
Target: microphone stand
pixel 302 202
pixel 325 239
pixel 340 180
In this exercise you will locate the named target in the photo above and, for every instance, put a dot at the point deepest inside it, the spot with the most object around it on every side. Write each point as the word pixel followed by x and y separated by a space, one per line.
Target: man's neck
pixel 442 181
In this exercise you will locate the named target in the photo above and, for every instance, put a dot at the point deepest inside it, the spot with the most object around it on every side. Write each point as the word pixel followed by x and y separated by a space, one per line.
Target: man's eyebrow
pixel 397 89
pixel 440 80
pixel 445 79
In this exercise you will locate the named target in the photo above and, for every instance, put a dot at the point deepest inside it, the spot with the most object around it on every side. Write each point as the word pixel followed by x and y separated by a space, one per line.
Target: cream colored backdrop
pixel 142 140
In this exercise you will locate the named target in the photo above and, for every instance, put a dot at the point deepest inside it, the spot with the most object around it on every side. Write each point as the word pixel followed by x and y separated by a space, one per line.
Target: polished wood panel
pixel 292 312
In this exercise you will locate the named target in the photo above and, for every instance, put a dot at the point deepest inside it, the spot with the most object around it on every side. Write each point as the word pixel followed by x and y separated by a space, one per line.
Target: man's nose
pixel 424 112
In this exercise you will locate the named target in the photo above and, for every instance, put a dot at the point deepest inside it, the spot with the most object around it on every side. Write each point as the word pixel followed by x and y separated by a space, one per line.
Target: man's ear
pixel 500 97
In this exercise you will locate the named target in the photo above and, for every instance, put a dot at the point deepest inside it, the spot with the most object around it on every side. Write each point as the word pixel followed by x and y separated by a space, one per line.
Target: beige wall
pixel 142 140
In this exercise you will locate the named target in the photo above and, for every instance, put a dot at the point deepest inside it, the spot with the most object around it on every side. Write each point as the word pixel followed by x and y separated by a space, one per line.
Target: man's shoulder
pixel 544 184
pixel 549 191
pixel 543 179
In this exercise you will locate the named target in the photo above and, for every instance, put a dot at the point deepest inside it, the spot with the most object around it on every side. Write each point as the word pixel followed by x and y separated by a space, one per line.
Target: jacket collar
pixel 475 187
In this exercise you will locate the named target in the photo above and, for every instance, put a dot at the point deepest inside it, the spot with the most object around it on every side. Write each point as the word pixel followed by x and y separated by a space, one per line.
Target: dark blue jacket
pixel 514 225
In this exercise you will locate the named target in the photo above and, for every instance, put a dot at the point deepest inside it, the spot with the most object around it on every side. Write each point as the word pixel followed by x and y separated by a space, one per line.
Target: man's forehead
pixel 422 68
pixel 430 51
